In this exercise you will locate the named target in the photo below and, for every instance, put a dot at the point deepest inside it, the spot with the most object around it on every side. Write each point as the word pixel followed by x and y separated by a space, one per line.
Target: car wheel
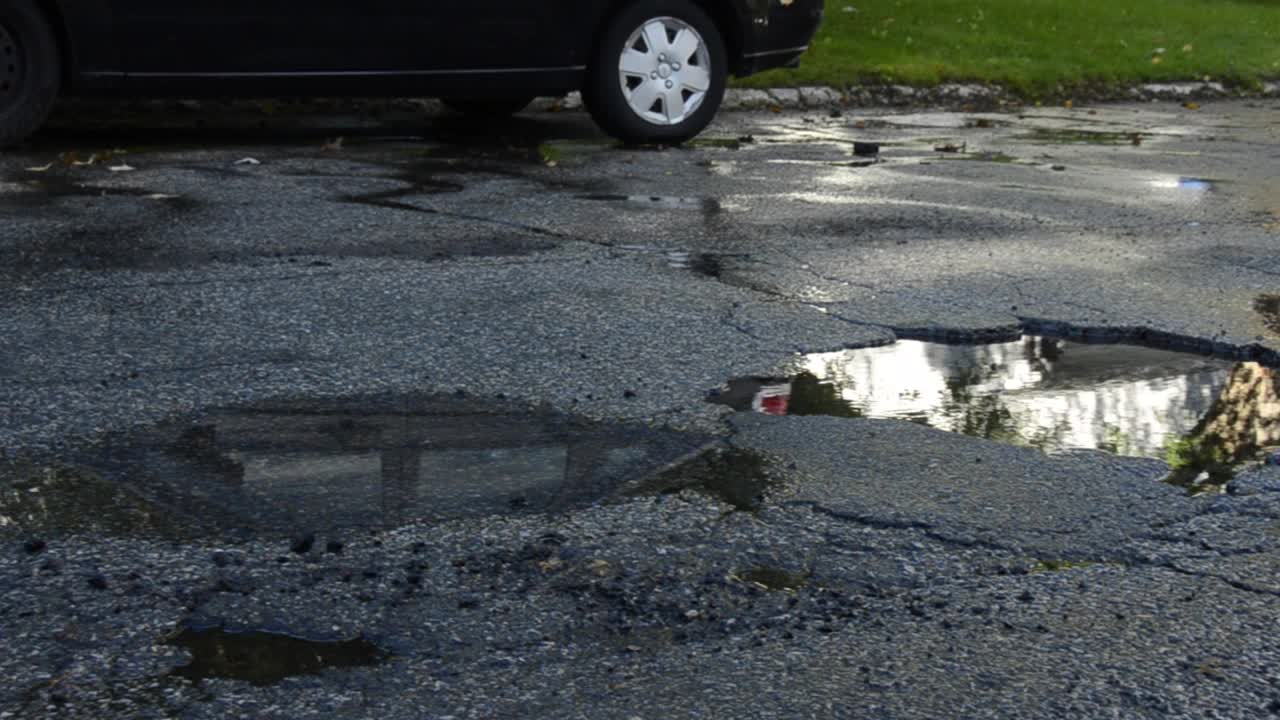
pixel 487 108
pixel 659 73
pixel 30 70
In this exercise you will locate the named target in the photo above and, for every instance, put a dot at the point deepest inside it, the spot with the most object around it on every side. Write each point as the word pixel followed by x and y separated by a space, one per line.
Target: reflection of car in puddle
pixel 762 395
pixel 290 467
pixel 1201 415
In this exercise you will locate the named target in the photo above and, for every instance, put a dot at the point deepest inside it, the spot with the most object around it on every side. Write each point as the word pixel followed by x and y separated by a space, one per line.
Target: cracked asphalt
pixel 245 259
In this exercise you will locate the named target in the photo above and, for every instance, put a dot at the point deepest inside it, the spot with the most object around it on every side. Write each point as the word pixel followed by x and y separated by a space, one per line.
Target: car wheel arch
pixel 58 21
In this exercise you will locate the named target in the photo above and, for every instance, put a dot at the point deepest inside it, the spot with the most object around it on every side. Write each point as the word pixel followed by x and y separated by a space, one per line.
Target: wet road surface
pixel 416 423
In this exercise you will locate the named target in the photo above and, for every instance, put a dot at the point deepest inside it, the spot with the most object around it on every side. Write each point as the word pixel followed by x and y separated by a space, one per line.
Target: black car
pixel 649 70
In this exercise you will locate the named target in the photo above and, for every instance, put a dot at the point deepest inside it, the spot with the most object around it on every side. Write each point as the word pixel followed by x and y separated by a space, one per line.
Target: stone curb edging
pixel 968 97
pixel 946 95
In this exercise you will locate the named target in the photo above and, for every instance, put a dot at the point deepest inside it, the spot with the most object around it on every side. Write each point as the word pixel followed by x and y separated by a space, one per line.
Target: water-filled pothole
pixel 710 265
pixel 739 478
pixel 1191 185
pixel 1066 136
pixel 771 578
pixel 665 202
pixel 265 658
pixel 1204 416
pixel 1268 308
pixel 295 466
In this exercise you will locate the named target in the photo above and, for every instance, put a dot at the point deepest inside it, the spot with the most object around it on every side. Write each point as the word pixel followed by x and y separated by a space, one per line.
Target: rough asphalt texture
pixel 939 575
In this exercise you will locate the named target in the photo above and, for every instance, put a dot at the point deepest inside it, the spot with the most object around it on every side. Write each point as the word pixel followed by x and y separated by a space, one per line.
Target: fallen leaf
pixel 1068 104
pixel 1191 105
pixel 1155 60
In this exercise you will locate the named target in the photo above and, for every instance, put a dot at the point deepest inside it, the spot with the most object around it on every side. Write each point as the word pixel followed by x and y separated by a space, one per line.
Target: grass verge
pixel 1039 47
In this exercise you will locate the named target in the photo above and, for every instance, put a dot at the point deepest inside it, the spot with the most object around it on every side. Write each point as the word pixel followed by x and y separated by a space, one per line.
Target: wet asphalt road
pixel 536 264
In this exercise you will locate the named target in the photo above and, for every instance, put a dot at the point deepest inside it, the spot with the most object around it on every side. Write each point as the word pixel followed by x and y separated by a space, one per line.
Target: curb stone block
pixel 970 92
pixel 1180 91
pixel 751 99
pixel 820 96
pixel 786 97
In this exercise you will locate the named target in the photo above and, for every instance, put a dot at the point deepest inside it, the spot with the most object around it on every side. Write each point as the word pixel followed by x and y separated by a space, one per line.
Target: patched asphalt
pixel 537 266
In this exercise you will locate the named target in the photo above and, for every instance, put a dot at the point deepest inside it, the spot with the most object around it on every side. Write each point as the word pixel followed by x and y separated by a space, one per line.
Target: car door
pixel 336 36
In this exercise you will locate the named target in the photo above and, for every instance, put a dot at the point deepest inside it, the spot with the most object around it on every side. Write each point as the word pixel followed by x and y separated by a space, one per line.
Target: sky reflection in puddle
pixel 1202 415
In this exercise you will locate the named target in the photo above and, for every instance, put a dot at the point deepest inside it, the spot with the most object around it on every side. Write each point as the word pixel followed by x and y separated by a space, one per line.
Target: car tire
pixel 30 70
pixel 669 52
pixel 488 107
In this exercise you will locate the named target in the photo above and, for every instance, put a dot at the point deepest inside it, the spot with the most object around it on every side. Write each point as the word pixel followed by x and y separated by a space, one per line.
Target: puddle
pixel 89 184
pixel 286 467
pixel 739 478
pixel 724 143
pixel 710 265
pixel 1186 184
pixel 1204 416
pixel 991 157
pixel 65 500
pixel 1063 136
pixel 1268 307
pixel 775 579
pixel 666 202
pixel 265 658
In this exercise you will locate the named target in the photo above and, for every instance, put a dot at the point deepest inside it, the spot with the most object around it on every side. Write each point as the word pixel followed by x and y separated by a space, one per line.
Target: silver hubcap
pixel 665 71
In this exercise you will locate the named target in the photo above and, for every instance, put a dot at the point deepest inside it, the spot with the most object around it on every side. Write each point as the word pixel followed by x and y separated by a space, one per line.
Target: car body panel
pixel 201 37
pixel 379 47
pixel 87 28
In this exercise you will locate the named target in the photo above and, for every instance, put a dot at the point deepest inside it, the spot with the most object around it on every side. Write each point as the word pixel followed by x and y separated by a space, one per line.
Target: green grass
pixel 1039 47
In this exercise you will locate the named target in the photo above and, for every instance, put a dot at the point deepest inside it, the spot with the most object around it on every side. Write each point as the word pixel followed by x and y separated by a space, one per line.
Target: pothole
pixel 1190 185
pixel 771 578
pixel 296 466
pixel 739 478
pixel 666 202
pixel 266 658
pixel 710 265
pixel 1268 308
pixel 1204 416
pixel 1065 136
